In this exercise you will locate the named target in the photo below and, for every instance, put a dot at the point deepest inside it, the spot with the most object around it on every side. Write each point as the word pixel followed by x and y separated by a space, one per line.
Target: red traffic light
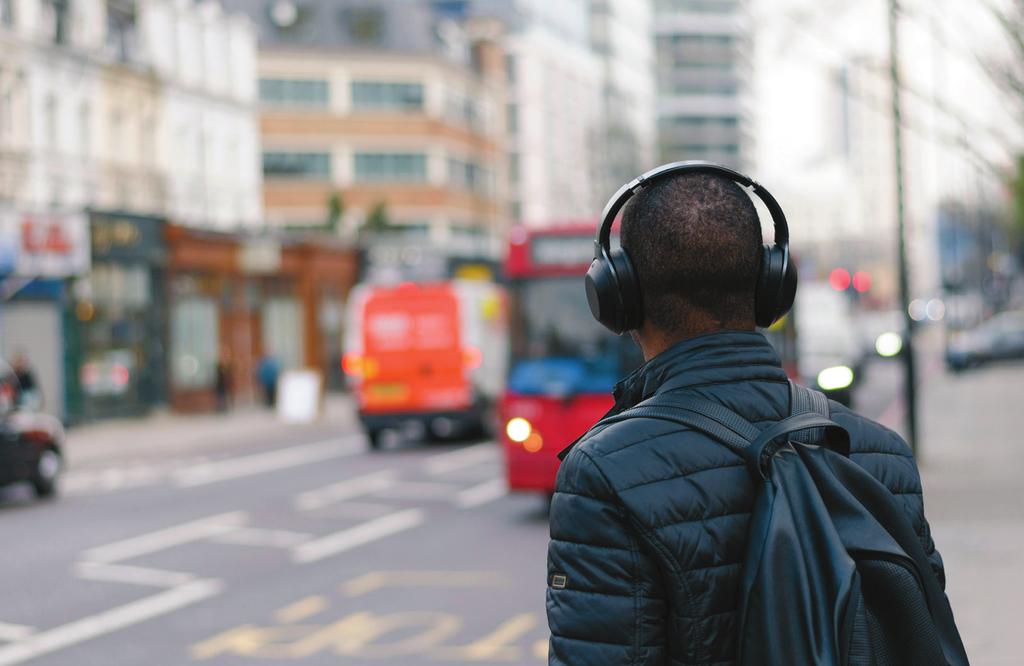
pixel 839 279
pixel 862 281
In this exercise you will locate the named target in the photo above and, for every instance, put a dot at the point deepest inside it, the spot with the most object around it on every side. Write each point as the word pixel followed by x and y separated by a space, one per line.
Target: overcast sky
pixel 800 42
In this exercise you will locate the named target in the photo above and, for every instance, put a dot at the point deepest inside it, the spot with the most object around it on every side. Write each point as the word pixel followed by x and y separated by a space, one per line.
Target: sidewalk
pixel 972 463
pixel 166 435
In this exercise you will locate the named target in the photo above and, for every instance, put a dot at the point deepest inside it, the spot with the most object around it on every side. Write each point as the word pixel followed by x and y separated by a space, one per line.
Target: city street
pixel 239 540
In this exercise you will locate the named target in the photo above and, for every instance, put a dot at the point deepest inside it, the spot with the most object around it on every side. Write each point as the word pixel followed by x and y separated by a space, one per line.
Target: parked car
pixel 999 338
pixel 30 442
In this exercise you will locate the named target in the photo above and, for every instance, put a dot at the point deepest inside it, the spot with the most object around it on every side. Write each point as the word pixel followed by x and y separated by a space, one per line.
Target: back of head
pixel 695 242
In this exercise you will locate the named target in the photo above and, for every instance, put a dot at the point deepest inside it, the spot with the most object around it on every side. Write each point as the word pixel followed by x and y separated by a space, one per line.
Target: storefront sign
pixel 259 255
pixel 46 245
pixel 126 237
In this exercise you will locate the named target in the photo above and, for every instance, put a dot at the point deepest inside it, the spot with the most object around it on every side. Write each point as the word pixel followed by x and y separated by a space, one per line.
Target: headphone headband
pixel 602 243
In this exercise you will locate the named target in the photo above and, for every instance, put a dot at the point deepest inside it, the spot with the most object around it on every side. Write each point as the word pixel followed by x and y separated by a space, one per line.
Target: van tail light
pixel 352 364
pixel 472 358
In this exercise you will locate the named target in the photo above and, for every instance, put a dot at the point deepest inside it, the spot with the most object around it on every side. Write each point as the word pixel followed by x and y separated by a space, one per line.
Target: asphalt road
pixel 312 551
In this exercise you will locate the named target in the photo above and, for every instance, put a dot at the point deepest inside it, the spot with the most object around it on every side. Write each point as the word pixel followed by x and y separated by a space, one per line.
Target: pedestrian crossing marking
pixel 302 609
pixel 376 580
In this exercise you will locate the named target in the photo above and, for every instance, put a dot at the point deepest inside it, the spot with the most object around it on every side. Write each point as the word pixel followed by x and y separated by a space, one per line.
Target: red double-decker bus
pixel 563 364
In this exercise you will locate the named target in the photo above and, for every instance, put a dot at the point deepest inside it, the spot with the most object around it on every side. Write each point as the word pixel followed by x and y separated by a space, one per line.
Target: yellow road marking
pixel 248 641
pixel 496 646
pixel 377 580
pixel 540 650
pixel 302 609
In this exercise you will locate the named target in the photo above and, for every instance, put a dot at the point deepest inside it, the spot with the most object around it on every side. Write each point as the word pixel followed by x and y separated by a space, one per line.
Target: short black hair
pixel 695 242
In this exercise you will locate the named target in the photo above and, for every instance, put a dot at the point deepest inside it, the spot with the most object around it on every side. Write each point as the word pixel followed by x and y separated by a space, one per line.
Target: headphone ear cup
pixel 770 281
pixel 788 294
pixel 629 290
pixel 602 295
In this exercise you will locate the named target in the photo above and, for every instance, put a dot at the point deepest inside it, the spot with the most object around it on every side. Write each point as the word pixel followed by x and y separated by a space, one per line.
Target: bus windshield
pixel 557 347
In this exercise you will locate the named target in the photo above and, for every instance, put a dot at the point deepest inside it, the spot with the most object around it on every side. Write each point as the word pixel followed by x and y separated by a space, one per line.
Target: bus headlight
pixel 518 429
pixel 835 378
pixel 889 344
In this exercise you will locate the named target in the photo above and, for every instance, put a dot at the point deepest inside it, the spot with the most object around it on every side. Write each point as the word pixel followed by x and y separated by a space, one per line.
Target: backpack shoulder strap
pixel 803 400
pixel 708 417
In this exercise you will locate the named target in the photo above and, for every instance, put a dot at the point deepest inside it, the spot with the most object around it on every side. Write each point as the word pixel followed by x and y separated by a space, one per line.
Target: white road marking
pixel 360 510
pixel 488 491
pixel 195 530
pixel 467 457
pixel 350 538
pixel 262 463
pixel 14 632
pixel 132 575
pixel 108 621
pixel 343 490
pixel 419 490
pixel 252 536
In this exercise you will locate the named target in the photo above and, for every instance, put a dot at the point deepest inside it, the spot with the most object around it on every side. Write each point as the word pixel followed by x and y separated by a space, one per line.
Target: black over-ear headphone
pixel 613 290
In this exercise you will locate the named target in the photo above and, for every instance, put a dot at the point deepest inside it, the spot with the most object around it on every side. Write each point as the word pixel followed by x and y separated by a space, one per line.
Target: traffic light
pixel 839 279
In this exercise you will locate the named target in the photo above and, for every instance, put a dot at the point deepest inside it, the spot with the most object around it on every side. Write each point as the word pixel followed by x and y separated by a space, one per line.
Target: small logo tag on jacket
pixel 559 581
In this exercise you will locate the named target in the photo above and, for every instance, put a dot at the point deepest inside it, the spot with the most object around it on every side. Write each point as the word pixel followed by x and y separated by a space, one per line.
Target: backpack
pixel 834 574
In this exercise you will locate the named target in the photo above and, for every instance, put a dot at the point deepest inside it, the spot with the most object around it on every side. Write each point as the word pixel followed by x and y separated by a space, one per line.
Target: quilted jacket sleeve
pixel 604 596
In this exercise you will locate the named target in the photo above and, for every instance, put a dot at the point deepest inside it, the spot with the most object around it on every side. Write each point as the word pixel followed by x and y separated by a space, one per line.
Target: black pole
pixel 910 382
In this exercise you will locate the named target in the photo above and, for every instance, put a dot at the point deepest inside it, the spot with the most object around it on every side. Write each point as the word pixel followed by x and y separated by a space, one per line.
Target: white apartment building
pixel 555 111
pixel 135 106
pixel 703 52
pixel 141 111
pixel 620 35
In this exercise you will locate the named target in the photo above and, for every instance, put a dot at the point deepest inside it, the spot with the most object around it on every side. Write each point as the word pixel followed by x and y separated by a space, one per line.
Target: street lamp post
pixel 910 383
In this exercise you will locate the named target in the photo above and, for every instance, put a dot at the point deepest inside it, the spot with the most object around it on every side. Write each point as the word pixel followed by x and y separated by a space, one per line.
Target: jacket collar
pixel 712 358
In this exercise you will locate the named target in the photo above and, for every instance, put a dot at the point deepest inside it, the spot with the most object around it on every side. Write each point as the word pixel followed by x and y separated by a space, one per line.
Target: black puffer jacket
pixel 649 519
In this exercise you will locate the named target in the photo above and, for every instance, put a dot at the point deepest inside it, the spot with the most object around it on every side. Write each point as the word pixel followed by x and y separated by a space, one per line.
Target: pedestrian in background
pixel 267 374
pixel 650 518
pixel 222 381
pixel 28 387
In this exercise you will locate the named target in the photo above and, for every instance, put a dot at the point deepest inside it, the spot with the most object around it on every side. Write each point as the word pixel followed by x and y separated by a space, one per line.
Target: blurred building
pixel 703 73
pixel 555 111
pixel 620 35
pixel 115 117
pixel 381 116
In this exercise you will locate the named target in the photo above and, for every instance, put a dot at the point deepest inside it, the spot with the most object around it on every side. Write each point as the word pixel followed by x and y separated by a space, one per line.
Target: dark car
pixel 30 442
pixel 999 338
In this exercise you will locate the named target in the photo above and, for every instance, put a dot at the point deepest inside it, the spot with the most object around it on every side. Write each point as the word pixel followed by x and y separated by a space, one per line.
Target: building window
pixel 7 12
pixel 6 115
pixel 392 96
pixel 84 130
pixel 282 330
pixel 391 167
pixel 694 50
pixel 116 136
pixel 512 119
pixel 698 6
pixel 462 110
pixel 56 12
pixel 366 25
pixel 294 92
pixel 52 138
pixel 296 165
pixel 513 168
pixel 469 176
pixel 121 29
pixel 194 335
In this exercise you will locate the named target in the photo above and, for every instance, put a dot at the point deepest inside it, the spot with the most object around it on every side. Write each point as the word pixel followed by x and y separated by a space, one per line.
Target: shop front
pixel 236 300
pixel 119 312
pixel 39 252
